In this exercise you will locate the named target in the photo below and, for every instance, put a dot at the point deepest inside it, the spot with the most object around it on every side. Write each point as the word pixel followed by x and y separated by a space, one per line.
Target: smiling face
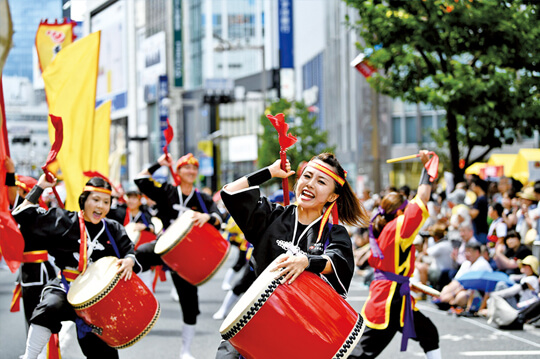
pixel 96 207
pixel 133 201
pixel 188 173
pixel 314 188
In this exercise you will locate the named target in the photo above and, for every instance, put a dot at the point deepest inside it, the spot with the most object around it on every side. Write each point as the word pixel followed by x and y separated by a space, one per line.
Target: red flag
pixel 432 167
pixel 169 134
pixel 363 66
pixel 58 139
pixel 286 140
pixel 11 241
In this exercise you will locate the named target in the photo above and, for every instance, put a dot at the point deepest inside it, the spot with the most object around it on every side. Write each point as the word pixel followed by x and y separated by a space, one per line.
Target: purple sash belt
pixel 405 290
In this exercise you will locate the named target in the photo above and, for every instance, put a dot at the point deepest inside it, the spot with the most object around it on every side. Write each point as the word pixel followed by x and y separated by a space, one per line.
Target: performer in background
pixel 298 234
pixel 36 269
pixel 75 240
pixel 393 230
pixel 171 202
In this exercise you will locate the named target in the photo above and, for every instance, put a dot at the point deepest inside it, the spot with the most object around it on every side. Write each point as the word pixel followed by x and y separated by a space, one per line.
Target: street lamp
pixel 225 45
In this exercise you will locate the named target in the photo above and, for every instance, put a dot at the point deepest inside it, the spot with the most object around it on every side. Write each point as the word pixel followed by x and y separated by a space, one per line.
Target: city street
pixel 459 337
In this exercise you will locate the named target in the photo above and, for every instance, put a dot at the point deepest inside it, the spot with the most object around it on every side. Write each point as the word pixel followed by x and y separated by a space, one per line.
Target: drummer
pixel 392 232
pixel 171 202
pixel 298 234
pixel 66 233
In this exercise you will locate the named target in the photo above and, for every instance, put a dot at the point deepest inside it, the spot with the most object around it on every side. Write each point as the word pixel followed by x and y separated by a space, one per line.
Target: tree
pixel 478 60
pixel 302 124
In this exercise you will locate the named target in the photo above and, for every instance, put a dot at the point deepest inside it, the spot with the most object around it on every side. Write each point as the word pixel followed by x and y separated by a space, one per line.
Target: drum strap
pixel 111 239
pixel 201 202
pixel 404 291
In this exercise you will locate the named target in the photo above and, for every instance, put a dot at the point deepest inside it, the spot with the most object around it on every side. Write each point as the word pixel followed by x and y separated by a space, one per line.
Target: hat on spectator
pixel 531 261
pixel 438 230
pixel 457 197
pixel 418 240
pixel 527 193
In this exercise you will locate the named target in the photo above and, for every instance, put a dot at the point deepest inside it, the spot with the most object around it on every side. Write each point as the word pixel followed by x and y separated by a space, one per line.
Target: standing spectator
pixel 479 208
pixel 528 203
pixel 497 229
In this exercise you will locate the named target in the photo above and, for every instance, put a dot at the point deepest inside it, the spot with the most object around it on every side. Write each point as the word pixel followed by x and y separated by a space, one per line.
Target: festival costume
pixel 61 231
pixel 171 203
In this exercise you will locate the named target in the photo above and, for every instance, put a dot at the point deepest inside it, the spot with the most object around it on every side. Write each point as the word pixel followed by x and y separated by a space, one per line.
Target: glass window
pixel 396 130
pixel 441 121
pixel 427 127
pixel 410 130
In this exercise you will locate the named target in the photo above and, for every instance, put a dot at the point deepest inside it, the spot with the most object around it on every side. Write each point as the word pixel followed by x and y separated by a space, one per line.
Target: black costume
pixel 171 203
pixel 273 230
pixel 60 230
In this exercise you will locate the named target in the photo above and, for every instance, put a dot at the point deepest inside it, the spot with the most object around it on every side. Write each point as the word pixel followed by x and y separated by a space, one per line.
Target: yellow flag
pixel 101 142
pixel 51 38
pixel 70 86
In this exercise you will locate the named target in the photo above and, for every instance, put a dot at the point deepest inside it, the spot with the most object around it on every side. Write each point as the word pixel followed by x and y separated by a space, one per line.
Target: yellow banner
pixel 70 86
pixel 100 140
pixel 51 38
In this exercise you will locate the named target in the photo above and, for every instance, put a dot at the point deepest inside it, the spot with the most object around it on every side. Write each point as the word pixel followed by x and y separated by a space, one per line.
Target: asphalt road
pixel 459 337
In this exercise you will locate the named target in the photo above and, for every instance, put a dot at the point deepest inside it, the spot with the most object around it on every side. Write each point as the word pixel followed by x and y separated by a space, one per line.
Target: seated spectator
pixel 525 291
pixel 453 294
pixel 525 213
pixel 441 254
pixel 467 236
pixel 508 253
pixel 498 228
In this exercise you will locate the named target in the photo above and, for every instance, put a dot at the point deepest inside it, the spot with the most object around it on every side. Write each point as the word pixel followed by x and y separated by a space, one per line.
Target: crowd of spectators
pixel 479 226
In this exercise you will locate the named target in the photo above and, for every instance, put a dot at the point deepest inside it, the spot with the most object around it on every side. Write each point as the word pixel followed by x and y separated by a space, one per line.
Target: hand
pixel 291 266
pixel 139 227
pixel 276 171
pixel 199 219
pixel 9 165
pixel 44 183
pixel 125 268
pixel 424 156
pixel 165 160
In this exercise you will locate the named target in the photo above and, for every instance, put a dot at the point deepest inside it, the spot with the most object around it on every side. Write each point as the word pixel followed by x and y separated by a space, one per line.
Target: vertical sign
pixel 286 49
pixel 163 91
pixel 177 47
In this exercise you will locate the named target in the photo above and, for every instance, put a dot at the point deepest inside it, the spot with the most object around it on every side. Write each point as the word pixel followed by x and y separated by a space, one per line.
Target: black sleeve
pixel 340 252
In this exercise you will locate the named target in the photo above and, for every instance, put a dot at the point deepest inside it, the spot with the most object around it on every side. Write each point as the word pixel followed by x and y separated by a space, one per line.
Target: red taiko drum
pixel 194 253
pixel 120 312
pixel 271 319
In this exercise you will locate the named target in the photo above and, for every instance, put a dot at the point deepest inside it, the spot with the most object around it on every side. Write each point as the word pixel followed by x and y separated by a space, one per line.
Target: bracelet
pixel 424 178
pixel 34 195
pixel 316 263
pixel 259 177
pixel 156 166
pixel 10 179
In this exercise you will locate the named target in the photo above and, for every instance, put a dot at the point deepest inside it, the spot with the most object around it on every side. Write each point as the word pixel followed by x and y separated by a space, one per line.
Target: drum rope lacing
pixel 356 332
pixel 253 309
pixel 144 332
pixel 100 296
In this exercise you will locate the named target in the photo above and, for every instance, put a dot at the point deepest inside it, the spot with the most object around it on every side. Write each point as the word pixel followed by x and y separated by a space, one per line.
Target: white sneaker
pixel 219 315
pixel 186 356
pixel 174 295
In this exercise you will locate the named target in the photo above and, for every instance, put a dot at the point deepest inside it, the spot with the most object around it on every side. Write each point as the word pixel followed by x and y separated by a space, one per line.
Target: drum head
pixel 132 233
pixel 98 276
pixel 249 298
pixel 176 231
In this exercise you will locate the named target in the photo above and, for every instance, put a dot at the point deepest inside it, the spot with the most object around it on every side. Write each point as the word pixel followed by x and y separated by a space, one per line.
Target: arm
pixel 33 197
pixel 163 160
pixel 259 177
pixel 424 187
pixel 10 180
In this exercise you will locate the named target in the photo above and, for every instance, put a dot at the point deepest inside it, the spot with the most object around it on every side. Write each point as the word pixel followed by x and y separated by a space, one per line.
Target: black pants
pixel 373 341
pixel 247 279
pixel 54 308
pixel 31 294
pixel 187 292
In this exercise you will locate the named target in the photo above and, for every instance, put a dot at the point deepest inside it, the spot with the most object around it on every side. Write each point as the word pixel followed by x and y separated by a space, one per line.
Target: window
pixel 396 130
pixel 410 130
pixel 427 127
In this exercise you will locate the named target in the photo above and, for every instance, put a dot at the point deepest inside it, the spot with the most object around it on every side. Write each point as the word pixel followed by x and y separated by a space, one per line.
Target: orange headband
pixel 97 189
pixel 329 172
pixel 188 159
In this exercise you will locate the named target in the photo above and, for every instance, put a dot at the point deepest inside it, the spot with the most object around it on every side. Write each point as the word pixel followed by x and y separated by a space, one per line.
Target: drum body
pixel 132 233
pixel 306 319
pixel 120 312
pixel 194 253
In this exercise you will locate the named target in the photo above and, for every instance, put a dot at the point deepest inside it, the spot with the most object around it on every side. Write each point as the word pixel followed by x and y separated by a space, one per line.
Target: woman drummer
pixel 171 202
pixel 298 234
pixel 75 240
pixel 393 230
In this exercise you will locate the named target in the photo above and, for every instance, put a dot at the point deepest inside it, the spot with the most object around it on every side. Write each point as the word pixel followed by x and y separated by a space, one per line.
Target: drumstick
pixel 425 289
pixel 410 157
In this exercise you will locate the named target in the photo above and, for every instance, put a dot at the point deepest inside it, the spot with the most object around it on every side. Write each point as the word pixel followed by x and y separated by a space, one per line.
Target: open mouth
pixel 307 195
